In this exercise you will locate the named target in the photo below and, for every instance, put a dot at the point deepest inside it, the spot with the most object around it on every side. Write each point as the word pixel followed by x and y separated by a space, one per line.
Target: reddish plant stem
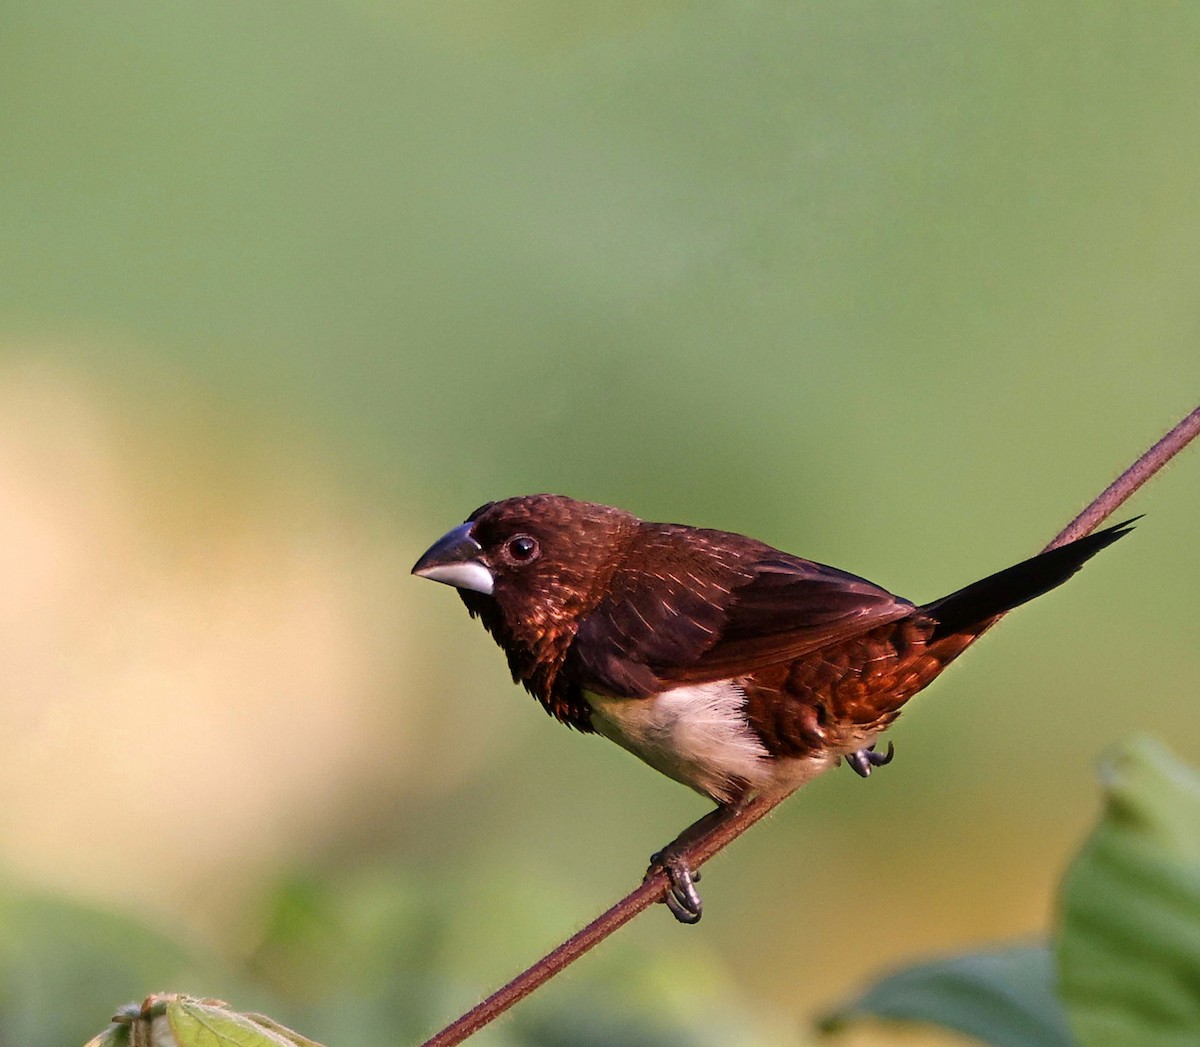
pixel 654 888
pixel 1109 500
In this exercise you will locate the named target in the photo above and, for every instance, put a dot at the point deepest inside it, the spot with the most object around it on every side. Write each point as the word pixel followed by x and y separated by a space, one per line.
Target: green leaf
pixel 1129 952
pixel 200 1023
pixel 175 1020
pixel 290 1035
pixel 1003 997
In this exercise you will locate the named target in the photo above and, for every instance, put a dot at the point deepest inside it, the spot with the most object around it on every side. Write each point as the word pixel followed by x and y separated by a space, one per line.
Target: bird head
pixel 531 567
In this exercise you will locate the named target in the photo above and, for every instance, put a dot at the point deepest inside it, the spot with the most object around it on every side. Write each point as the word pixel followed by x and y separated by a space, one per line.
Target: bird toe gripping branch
pixel 863 761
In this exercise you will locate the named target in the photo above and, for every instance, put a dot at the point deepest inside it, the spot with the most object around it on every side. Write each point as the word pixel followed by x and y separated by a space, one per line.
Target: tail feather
pixel 1016 585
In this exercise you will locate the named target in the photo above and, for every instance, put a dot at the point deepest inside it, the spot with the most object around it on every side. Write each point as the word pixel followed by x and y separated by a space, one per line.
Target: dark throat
pixel 535 659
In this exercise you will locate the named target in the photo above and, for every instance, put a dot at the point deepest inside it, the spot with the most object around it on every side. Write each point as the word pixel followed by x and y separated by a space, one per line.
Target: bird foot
pixel 681 898
pixel 863 761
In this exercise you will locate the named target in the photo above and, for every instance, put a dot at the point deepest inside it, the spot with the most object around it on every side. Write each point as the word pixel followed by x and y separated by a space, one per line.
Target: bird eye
pixel 522 548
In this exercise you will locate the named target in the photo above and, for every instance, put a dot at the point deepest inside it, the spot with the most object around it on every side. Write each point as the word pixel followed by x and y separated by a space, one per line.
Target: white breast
pixel 696 735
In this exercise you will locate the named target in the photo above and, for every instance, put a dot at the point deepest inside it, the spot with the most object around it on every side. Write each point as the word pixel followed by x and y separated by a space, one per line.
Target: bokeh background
pixel 288 289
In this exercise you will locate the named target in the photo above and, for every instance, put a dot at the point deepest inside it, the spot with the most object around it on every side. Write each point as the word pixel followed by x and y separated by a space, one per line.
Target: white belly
pixel 699 736
pixel 696 735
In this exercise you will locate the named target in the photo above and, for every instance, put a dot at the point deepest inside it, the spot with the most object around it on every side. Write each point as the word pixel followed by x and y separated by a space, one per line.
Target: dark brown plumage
pixel 726 664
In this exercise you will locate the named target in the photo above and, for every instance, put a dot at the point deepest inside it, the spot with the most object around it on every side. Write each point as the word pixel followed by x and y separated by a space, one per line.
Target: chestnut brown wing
pixel 691 606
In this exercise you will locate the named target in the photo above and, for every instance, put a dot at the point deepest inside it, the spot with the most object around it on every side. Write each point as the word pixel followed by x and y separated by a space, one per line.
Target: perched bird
pixel 724 663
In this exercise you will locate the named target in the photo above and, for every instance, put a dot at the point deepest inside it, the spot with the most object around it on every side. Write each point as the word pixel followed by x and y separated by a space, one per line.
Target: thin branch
pixel 708 844
pixel 1110 499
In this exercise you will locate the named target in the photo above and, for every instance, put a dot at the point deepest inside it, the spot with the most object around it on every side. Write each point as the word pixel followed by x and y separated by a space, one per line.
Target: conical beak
pixel 456 559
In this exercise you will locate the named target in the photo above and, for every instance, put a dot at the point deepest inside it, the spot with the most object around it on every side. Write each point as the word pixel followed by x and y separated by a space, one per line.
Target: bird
pixel 728 665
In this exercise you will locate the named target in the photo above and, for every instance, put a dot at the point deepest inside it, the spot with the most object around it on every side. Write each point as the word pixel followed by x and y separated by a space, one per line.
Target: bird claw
pixel 681 898
pixel 863 761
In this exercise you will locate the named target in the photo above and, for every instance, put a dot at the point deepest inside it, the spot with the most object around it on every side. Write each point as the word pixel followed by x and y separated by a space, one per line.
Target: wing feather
pixel 707 605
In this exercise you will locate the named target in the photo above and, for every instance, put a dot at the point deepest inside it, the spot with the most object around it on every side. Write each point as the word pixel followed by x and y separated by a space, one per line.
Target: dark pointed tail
pixel 1010 588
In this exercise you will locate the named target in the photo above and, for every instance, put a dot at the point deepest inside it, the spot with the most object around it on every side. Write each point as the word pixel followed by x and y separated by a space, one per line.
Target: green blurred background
pixel 288 289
